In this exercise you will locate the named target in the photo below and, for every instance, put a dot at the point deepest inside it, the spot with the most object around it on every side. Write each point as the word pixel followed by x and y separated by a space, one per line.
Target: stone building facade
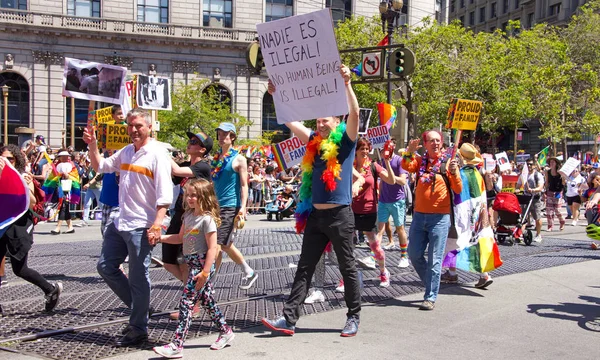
pixel 183 39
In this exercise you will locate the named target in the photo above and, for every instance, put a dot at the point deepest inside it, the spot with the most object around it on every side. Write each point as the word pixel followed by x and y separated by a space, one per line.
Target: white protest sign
pixel 503 162
pixel 302 61
pixel 489 162
pixel 570 165
pixel 127 101
pixel 378 136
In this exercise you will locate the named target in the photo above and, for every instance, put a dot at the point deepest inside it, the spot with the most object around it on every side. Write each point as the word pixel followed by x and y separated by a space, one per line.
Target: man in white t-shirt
pixel 534 187
pixel 574 184
pixel 145 194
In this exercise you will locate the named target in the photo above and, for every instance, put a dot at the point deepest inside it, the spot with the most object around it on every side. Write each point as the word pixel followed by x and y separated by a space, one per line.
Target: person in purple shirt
pixel 392 202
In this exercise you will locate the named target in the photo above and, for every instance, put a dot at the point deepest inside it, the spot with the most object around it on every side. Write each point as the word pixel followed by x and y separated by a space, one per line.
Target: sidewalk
pixel 545 314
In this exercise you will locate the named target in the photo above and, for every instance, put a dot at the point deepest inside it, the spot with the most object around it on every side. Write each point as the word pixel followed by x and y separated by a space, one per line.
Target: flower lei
pixel 219 164
pixel 365 167
pixel 424 175
pixel 329 149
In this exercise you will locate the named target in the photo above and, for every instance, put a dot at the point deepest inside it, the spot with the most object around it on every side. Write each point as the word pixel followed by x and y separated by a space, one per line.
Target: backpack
pixel 40 206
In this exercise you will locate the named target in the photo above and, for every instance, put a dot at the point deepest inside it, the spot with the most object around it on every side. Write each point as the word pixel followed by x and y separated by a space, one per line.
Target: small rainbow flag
pixel 14 196
pixel 481 257
pixel 387 114
pixel 53 182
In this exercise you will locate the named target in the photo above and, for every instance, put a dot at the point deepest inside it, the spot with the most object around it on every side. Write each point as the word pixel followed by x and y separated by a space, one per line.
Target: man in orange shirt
pixel 432 206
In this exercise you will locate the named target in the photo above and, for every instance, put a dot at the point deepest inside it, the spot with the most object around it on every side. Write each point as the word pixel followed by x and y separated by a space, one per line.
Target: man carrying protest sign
pixel 230 176
pixel 432 206
pixel 145 193
pixel 330 218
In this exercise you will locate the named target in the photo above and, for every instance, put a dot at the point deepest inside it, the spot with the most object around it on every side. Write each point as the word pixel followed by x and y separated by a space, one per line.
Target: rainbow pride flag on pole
pixel 14 196
pixel 481 257
pixel 52 183
pixel 387 114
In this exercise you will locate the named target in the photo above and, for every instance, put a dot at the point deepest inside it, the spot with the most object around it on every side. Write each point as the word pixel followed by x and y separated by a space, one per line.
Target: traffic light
pixel 397 62
pixel 254 57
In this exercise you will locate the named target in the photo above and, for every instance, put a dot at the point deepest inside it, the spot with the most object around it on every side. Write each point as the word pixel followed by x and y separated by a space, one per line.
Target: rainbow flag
pixel 53 182
pixel 387 114
pixel 469 207
pixel 481 257
pixel 14 196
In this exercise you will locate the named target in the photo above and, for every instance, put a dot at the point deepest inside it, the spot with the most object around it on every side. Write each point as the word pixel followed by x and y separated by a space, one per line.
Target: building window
pixel 482 14
pixel 14 4
pixel 555 9
pixel 530 18
pixel 492 29
pixel 517 4
pixel 462 4
pixel 493 11
pixel 453 6
pixel 219 92
pixel 471 1
pixel 340 9
pixel 18 102
pixel 85 8
pixel 462 20
pixel 217 13
pixel 505 7
pixel 278 9
pixel 472 18
pixel 504 26
pixel 156 11
pixel 269 120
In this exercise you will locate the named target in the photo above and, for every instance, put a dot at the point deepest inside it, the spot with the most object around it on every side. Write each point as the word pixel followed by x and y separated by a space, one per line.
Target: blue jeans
pixel 90 195
pixel 432 230
pixel 135 290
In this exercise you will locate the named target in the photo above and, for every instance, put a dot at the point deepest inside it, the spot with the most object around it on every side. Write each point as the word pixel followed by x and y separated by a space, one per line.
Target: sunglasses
pixel 10 158
pixel 194 141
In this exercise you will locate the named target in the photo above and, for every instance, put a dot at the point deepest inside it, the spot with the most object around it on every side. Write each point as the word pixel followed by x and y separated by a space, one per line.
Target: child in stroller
pixel 511 218
pixel 283 205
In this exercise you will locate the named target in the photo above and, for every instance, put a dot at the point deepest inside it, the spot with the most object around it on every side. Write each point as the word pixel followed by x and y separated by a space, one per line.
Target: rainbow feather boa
pixel 52 183
pixel 329 149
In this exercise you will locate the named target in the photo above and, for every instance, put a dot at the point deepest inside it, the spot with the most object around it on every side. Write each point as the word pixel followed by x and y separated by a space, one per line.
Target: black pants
pixel 21 270
pixel 335 225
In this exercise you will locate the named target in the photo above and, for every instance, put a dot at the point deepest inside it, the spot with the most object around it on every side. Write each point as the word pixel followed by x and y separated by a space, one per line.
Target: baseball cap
pixel 226 126
pixel 596 165
pixel 40 138
pixel 207 141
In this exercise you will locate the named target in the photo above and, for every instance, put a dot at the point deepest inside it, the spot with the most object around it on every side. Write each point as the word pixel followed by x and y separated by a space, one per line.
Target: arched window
pixel 18 103
pixel 221 92
pixel 269 120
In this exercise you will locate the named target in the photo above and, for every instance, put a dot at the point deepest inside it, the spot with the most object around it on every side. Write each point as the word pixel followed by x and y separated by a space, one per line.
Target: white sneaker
pixel 385 279
pixel 223 340
pixel 316 297
pixel 403 263
pixel 538 239
pixel 169 351
pixel 368 262
pixel 388 246
pixel 82 223
pixel 340 287
pixel 574 223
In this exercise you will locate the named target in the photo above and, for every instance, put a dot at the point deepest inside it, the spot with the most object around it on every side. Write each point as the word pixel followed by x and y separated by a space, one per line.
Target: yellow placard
pixel 463 114
pixel 104 115
pixel 116 136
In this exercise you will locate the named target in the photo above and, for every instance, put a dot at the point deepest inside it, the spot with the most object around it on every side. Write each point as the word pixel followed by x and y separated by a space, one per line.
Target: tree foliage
pixel 196 106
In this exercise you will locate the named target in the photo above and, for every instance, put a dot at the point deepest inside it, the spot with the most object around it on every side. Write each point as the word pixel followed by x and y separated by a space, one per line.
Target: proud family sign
pixel 302 60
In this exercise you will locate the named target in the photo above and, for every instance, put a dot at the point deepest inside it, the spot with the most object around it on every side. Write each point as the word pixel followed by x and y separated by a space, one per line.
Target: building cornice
pixel 119 30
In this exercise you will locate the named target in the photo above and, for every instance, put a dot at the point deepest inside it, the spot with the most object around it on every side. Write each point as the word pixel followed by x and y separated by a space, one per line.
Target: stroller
pixel 279 207
pixel 512 218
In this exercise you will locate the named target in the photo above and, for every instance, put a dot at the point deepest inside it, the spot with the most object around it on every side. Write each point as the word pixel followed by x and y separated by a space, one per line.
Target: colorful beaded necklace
pixel 218 164
pixel 329 149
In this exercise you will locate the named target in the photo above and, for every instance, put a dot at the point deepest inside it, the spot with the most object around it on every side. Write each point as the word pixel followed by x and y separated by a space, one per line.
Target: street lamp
pixel 5 96
pixel 390 12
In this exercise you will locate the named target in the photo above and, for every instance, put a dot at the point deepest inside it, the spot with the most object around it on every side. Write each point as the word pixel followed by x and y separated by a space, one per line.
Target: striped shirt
pixel 145 183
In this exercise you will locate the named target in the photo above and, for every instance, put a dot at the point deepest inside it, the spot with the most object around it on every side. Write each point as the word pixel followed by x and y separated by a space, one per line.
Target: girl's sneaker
pixel 169 351
pixel 223 340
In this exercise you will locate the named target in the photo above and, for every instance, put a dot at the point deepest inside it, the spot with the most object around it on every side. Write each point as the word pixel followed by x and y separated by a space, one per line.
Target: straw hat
pixel 470 155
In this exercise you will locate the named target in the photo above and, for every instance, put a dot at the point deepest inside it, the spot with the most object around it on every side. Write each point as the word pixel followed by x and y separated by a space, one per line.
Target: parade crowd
pixel 190 204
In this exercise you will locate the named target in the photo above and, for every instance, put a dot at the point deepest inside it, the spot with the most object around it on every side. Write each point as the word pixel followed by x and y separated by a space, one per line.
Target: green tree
pixel 195 107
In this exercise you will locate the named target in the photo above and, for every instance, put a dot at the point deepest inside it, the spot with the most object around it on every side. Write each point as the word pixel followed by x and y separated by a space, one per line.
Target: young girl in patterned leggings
pixel 199 237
